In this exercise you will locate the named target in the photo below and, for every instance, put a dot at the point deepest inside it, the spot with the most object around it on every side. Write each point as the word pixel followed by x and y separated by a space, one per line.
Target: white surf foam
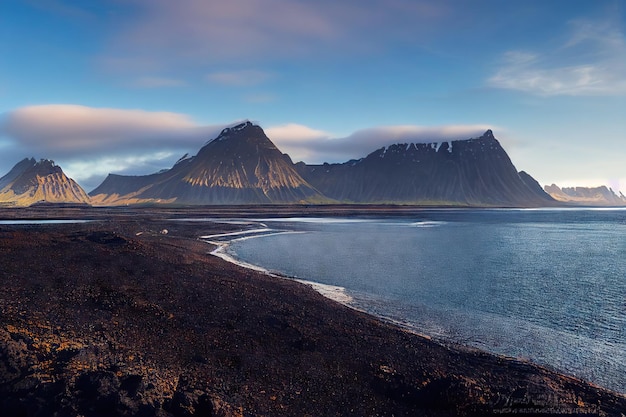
pixel 332 292
pixel 427 223
pixel 220 252
pixel 315 220
pixel 243 232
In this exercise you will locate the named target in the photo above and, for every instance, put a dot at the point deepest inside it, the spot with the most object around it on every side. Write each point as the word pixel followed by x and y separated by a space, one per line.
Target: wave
pixel 333 292
pixel 243 232
pixel 428 223
pixel 220 252
pixel 316 220
pixel 213 220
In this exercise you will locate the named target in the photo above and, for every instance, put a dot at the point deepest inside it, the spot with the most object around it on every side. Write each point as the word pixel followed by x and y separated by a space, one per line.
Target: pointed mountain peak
pixel 240 166
pixel 488 134
pixel 45 163
pixel 44 167
pixel 487 139
pixel 31 181
pixel 244 127
pixel 239 136
pixel 31 166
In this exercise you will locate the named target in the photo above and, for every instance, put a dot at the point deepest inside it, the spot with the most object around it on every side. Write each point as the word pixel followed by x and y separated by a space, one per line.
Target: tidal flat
pixel 129 314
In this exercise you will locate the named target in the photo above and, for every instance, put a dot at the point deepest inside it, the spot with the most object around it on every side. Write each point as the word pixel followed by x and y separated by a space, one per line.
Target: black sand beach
pixel 117 317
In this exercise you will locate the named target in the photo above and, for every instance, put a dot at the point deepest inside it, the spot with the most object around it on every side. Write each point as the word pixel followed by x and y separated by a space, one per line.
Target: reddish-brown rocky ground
pixel 96 320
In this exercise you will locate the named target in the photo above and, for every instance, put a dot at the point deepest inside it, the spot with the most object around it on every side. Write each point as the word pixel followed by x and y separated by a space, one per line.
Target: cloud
pixel 293 132
pixel 91 142
pixel 298 141
pixel 242 78
pixel 215 30
pixel 592 62
pixel 76 130
pixel 158 82
pixel 90 172
pixel 316 146
pixel 165 34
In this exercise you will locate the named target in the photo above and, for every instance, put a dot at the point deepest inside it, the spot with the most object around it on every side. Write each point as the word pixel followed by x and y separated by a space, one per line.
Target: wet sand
pixel 115 317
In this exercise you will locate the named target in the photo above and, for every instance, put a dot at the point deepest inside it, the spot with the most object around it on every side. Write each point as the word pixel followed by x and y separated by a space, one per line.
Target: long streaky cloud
pixel 91 142
pixel 166 34
pixel 76 130
pixel 570 70
pixel 315 146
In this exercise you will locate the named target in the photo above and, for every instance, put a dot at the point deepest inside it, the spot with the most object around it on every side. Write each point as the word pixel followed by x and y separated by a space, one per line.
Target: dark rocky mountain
pixel 240 166
pixel 31 181
pixel 593 196
pixel 475 172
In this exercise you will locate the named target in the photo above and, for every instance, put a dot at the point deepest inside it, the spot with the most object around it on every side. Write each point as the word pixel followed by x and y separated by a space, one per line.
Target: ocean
pixel 545 285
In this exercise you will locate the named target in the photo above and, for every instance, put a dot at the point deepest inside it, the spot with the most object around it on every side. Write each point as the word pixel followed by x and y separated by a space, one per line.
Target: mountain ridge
pixel 242 165
pixel 593 196
pixel 470 172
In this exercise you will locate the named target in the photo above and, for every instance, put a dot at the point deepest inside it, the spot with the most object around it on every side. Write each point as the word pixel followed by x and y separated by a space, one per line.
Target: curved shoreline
pixel 339 294
pixel 332 292
pixel 97 315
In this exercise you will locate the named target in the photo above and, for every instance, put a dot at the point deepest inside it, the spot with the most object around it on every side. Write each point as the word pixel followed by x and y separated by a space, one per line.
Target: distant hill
pixel 591 196
pixel 31 181
pixel 240 166
pixel 473 172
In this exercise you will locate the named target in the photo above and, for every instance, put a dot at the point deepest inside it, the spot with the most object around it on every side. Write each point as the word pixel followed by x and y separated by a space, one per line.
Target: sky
pixel 130 86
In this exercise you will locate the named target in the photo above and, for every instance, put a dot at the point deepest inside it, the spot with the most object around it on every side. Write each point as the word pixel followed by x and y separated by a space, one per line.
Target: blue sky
pixel 129 86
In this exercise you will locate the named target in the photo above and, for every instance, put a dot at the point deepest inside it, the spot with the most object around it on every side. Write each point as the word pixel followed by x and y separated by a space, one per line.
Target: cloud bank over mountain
pixel 315 146
pixel 92 142
pixel 99 140
pixel 76 130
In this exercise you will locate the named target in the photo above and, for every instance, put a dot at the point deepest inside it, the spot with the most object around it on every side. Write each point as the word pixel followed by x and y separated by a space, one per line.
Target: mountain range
pixel 242 166
pixel 474 172
pixel 591 196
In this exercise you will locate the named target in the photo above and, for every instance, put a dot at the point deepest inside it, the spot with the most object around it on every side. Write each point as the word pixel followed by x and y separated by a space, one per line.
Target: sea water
pixel 547 286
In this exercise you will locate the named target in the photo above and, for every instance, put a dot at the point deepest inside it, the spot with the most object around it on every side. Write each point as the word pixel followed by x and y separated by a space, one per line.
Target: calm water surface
pixel 543 285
